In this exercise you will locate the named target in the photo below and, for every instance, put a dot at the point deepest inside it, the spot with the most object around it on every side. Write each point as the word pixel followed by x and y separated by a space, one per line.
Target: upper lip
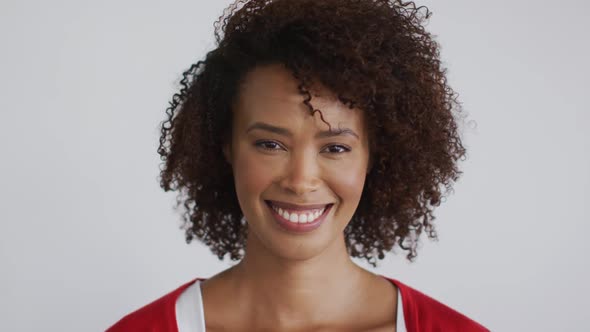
pixel 290 206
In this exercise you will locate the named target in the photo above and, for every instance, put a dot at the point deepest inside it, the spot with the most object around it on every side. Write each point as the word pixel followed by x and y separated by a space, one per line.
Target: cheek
pixel 348 182
pixel 252 176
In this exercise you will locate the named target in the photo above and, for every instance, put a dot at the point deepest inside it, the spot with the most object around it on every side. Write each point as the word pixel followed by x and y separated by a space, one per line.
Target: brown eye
pixel 336 148
pixel 268 145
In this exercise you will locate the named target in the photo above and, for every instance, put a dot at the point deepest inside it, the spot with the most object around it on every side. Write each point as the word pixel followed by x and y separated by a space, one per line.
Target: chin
pixel 298 251
pixel 287 246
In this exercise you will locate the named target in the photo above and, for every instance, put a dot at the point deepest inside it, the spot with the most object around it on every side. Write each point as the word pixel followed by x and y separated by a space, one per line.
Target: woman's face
pixel 283 157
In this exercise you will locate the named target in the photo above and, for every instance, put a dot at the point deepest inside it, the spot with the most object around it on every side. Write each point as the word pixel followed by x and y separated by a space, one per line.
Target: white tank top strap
pixel 190 316
pixel 400 326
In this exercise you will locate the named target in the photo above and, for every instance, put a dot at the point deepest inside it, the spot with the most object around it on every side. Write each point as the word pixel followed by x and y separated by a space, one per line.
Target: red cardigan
pixel 421 314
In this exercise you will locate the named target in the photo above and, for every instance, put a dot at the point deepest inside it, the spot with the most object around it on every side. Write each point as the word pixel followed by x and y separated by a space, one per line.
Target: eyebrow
pixel 286 132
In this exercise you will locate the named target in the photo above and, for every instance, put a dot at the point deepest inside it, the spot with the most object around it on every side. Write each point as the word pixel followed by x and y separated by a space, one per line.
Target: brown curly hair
pixel 374 55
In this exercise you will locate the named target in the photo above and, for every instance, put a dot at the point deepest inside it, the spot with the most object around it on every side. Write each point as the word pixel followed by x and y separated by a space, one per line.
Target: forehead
pixel 271 92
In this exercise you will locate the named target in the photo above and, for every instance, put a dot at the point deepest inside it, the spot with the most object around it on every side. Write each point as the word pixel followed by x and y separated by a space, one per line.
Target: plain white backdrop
pixel 87 235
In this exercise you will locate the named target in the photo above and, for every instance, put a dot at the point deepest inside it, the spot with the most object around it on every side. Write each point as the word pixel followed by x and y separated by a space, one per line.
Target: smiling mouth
pixel 298 220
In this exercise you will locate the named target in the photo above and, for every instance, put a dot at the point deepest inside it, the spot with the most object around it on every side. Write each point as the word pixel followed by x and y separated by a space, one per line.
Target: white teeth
pixel 299 217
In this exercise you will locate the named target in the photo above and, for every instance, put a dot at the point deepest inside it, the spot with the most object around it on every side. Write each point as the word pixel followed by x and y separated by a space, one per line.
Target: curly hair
pixel 374 55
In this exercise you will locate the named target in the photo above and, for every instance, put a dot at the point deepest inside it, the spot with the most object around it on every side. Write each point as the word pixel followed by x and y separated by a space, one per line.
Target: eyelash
pixel 261 144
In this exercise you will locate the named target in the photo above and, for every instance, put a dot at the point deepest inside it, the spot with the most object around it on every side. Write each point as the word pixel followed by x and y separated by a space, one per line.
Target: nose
pixel 301 174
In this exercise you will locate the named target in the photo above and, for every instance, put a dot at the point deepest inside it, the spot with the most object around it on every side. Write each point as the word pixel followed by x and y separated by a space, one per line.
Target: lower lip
pixel 299 227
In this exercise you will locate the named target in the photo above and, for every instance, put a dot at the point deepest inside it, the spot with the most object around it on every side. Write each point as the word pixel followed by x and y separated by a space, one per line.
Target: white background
pixel 87 235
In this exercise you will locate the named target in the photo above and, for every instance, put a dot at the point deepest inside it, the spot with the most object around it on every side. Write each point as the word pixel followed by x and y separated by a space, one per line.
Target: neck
pixel 288 293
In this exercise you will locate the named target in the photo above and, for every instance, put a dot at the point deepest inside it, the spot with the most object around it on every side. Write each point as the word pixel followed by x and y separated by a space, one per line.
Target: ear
pixel 227 152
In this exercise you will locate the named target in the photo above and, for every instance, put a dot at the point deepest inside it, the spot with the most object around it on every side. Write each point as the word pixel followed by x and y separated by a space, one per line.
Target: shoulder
pixel 423 313
pixel 158 315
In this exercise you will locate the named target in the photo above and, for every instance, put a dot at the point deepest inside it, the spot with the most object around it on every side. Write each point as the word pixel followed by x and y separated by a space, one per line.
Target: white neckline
pixel 190 316
pixel 400 325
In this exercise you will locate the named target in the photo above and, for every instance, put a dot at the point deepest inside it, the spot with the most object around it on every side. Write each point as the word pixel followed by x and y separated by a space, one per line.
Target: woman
pixel 316 131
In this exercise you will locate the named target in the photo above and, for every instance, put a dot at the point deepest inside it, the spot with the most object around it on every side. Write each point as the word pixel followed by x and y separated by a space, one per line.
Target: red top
pixel 421 314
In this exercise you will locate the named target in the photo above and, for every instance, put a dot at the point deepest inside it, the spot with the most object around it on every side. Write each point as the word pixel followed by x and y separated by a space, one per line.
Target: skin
pixel 288 281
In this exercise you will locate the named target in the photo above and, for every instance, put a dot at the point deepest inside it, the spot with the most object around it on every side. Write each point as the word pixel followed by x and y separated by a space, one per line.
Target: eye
pixel 337 148
pixel 268 145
